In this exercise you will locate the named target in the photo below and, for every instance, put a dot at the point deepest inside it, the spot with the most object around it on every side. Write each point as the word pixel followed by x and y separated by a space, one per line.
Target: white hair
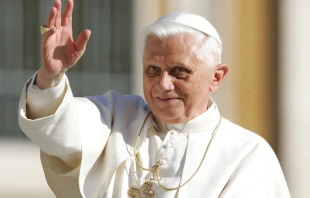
pixel 210 51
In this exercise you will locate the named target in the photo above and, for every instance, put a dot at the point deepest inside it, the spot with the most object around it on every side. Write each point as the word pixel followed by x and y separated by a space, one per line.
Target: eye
pixel 152 70
pixel 179 72
pixel 180 69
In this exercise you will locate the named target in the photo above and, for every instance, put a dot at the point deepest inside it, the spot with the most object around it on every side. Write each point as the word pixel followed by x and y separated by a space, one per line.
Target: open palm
pixel 59 51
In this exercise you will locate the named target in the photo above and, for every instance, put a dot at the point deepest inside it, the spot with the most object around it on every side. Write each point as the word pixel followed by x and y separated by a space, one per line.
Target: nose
pixel 165 82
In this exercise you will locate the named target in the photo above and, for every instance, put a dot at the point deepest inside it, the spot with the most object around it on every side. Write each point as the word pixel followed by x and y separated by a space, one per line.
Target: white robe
pixel 87 149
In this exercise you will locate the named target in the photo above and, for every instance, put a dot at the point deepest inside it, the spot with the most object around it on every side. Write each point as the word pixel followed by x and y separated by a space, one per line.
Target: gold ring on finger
pixel 44 29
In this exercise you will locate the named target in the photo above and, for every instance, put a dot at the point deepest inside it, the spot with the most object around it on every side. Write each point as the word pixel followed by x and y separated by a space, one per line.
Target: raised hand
pixel 59 51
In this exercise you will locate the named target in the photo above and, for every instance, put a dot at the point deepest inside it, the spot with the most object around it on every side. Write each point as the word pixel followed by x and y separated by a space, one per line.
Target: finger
pixel 67 15
pixel 51 18
pixel 48 34
pixel 57 5
pixel 81 42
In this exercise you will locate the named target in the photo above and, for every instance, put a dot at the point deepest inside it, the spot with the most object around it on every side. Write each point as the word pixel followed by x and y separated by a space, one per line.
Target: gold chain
pixel 156 166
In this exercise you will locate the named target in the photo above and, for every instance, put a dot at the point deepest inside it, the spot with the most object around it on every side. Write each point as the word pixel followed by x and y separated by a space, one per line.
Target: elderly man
pixel 176 144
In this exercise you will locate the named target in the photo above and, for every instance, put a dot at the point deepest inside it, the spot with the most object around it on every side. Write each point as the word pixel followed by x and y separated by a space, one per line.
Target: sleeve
pixel 48 117
pixel 79 127
pixel 258 175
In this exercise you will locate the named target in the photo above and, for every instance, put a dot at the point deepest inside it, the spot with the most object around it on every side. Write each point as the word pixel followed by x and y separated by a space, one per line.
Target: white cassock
pixel 88 149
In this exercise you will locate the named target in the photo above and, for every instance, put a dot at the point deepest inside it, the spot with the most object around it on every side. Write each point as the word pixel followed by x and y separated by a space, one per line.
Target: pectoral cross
pixel 144 192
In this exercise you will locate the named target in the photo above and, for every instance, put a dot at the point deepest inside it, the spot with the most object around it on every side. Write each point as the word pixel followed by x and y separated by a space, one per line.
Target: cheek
pixel 195 83
pixel 198 87
pixel 146 82
pixel 149 83
pixel 147 89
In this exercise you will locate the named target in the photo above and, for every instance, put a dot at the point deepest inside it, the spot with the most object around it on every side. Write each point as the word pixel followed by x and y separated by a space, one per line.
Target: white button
pixel 174 133
pixel 162 161
pixel 168 145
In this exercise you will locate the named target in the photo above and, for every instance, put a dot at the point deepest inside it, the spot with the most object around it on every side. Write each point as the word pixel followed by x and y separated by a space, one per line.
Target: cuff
pixel 41 103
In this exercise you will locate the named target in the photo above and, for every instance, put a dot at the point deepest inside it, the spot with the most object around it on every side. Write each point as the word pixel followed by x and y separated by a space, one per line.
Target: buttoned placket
pixel 170 156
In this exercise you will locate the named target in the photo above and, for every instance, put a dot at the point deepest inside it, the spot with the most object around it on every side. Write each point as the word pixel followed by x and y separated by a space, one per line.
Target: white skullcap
pixel 194 21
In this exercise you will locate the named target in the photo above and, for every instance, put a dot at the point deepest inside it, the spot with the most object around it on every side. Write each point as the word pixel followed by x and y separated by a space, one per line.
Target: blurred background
pixel 267 88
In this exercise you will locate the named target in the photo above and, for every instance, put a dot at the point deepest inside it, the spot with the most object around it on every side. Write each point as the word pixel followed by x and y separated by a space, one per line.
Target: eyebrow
pixel 155 63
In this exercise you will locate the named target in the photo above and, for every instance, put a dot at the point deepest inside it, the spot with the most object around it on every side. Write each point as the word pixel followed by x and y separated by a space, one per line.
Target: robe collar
pixel 202 123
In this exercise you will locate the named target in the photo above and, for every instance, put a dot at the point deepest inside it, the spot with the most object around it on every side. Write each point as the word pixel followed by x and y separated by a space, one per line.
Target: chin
pixel 169 117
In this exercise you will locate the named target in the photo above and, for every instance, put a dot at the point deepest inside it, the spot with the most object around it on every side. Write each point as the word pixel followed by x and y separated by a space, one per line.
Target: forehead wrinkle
pixel 178 60
pixel 188 50
pixel 169 54
pixel 171 60
pixel 182 55
pixel 158 58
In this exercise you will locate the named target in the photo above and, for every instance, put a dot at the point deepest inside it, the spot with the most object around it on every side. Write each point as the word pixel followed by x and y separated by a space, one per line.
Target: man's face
pixel 176 84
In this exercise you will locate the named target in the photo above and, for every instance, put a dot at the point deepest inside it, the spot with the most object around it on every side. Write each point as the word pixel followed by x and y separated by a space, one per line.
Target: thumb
pixel 81 41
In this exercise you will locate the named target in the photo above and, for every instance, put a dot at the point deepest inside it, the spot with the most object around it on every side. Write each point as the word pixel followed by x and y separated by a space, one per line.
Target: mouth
pixel 167 99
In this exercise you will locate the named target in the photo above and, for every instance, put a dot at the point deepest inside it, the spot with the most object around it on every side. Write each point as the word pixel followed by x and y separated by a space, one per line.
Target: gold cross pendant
pixel 144 192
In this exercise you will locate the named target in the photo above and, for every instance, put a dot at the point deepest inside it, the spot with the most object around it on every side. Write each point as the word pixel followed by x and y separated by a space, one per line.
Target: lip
pixel 167 99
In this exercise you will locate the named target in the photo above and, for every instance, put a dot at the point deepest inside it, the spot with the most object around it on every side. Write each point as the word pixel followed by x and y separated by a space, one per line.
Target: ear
pixel 220 72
